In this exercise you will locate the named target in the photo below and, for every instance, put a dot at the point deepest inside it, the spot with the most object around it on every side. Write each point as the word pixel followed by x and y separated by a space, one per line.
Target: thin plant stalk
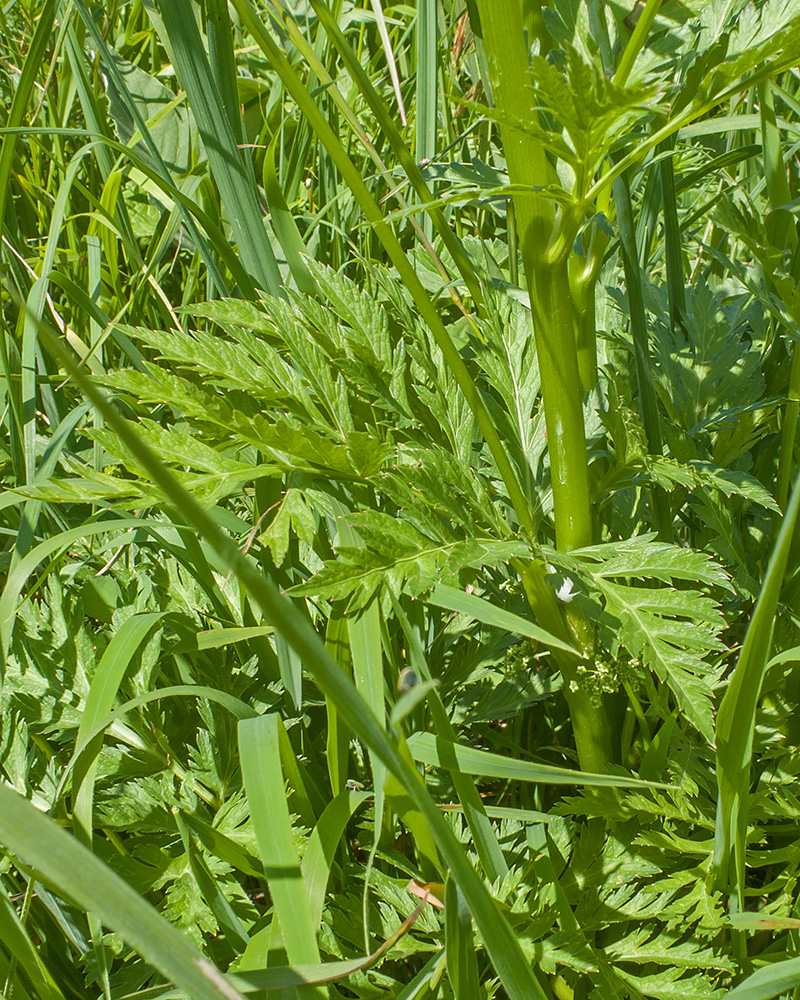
pixel 648 404
pixel 546 236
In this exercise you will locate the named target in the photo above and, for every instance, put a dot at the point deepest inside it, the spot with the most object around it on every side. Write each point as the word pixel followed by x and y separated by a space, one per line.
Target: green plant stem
pixel 546 238
pixel 553 312
pixel 589 719
pixel 545 241
pixel 583 275
pixel 636 42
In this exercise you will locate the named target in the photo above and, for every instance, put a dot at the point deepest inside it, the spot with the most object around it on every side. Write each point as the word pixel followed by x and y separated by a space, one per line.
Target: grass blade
pixel 263 781
pixel 409 164
pixel 17 940
pixel 648 403
pixel 78 760
pixel 486 843
pixel 76 874
pixel 482 611
pixel 737 713
pixel 322 844
pixel 210 890
pixel 34 61
pixel 232 172
pixel 427 35
pixel 99 702
pixel 16 580
pixel 462 965
pixel 428 748
pixel 162 171
pixel 773 981
pixel 386 42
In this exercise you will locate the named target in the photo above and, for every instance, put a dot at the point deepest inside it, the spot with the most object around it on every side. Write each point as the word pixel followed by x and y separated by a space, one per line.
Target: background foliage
pixel 323 576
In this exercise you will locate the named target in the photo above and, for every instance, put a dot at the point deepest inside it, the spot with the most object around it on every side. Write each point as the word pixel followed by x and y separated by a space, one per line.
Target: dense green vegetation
pixel 400 555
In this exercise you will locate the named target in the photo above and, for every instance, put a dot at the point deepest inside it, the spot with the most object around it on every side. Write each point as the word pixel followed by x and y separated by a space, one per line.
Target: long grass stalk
pixel 426 37
pixel 161 170
pixel 736 718
pixel 783 236
pixel 648 403
pixel 388 129
pixel 230 165
pixel 673 251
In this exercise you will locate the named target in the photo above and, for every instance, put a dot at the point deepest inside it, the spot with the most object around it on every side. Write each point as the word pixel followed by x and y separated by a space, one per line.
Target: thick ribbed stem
pixel 546 238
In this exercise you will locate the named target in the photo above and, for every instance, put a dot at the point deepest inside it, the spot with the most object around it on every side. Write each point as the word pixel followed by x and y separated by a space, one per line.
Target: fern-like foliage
pixel 396 555
pixel 671 630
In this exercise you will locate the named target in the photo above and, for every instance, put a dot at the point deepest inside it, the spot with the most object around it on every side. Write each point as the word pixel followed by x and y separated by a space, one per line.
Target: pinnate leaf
pixel 398 555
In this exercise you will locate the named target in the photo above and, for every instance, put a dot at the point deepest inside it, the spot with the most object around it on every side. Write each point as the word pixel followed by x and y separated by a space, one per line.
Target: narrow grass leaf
pixel 222 847
pixel 162 170
pixel 328 972
pixel 428 748
pixel 217 638
pixel 284 225
pixel 83 750
pixel 18 942
pixel 34 60
pixel 300 784
pixel 388 126
pixel 232 172
pixel 489 614
pixel 462 964
pixel 45 469
pixel 486 843
pixel 76 874
pixel 648 404
pixel 263 781
pixel 102 693
pixel 737 713
pixel 322 844
pixel 386 42
pixel 211 891
pixel 16 580
pixel 426 35
pixel 773 981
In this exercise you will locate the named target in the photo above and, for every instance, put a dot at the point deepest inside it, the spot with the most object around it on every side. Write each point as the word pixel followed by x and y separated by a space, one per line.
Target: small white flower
pixel 550 569
pixel 564 592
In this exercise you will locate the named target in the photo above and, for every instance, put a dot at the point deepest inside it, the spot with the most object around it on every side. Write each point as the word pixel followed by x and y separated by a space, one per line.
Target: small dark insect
pixel 407 680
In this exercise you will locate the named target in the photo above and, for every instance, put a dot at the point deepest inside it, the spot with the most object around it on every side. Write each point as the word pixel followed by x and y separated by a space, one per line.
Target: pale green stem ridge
pixel 636 42
pixel 546 239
